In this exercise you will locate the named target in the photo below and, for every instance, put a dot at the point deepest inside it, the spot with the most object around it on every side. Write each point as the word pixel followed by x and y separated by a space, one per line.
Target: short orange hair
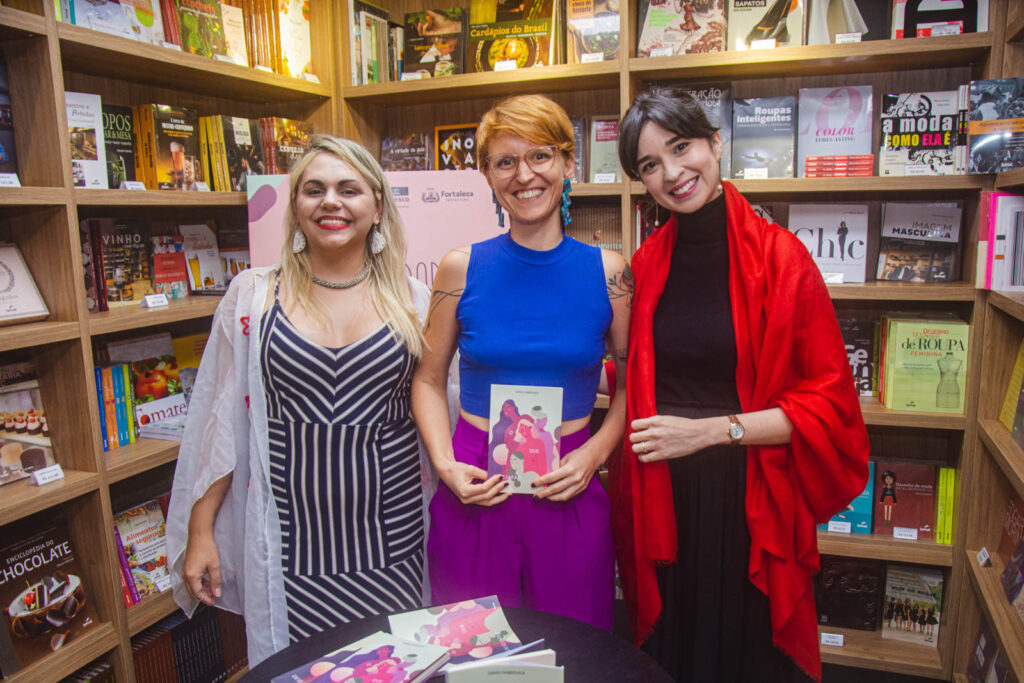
pixel 535 118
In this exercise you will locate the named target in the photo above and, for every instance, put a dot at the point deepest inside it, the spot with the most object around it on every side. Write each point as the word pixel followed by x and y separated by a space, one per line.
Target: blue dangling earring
pixel 566 202
pixel 497 210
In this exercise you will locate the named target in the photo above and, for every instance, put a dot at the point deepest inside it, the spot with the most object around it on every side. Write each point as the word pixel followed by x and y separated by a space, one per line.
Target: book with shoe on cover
pixel 778 21
pixel 525 425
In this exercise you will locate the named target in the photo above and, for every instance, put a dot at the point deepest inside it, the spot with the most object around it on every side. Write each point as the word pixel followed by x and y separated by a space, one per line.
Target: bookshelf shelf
pixel 1010 180
pixel 558 78
pixel 781 189
pixel 86 51
pixel 872 547
pixel 1005 451
pixel 32 196
pixel 33 334
pixel 15 23
pixel 813 60
pixel 877 414
pixel 597 190
pixel 1015 30
pixel 869 650
pixel 902 291
pixel 1000 614
pixel 1011 303
pixel 141 456
pixel 22 498
pixel 136 317
pixel 150 610
pixel 157 198
pixel 74 655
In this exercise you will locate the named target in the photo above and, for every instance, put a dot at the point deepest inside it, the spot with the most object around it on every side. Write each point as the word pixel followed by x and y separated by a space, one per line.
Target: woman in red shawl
pixel 744 428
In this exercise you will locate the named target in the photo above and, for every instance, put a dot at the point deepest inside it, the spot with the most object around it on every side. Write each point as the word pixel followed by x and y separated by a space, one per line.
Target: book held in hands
pixel 524 426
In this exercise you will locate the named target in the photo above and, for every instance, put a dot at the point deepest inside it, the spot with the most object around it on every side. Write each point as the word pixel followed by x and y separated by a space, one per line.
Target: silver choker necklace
pixel 348 283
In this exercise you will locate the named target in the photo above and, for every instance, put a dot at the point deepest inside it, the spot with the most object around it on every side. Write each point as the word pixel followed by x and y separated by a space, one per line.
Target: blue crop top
pixel 535 318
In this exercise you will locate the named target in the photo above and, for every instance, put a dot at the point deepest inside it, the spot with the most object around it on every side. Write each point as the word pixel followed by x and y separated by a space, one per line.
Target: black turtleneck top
pixel 694 340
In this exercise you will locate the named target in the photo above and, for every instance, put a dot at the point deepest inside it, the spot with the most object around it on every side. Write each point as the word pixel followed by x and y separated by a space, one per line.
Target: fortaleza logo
pixel 430 196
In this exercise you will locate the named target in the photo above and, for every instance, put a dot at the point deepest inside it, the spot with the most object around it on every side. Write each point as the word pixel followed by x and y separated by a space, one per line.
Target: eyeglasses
pixel 539 159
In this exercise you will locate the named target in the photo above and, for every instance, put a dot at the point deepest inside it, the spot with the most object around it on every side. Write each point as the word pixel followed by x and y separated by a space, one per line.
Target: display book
pixel 919 241
pixel 434 44
pixel 209 646
pixel 1011 413
pixel 8 148
pixel 836 235
pixel 995 134
pixel 762 137
pixel 917 18
pixel 834 132
pixel 987 664
pixel 923 362
pixel 139 536
pixel 921 133
pixel 25 445
pixel 1000 242
pixel 47 601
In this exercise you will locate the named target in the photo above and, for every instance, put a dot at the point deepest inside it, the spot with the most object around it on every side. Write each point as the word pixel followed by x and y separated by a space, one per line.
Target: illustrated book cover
pixel 107 16
pixel 905 499
pixel 406 152
pixel 848 592
pixel 671 27
pixel 472 630
pixel 919 133
pixel 834 122
pixel 912 608
pixel 145 547
pixel 293 29
pixel 287 140
pixel 24 431
pixel 995 132
pixel 836 236
pixel 170 271
pixel 202 27
pixel 856 517
pixel 762 137
pixel 508 36
pixel 765 23
pixel 525 426
pixel 919 242
pixel 926 365
pixel 920 18
pixel 85 133
pixel 45 597
pixel 435 43
pixel 592 30
pixel 8 149
pixel 859 338
pixel 455 147
pixel 382 656
pixel 20 300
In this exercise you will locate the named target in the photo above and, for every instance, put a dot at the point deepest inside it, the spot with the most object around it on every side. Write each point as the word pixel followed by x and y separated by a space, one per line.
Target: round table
pixel 589 654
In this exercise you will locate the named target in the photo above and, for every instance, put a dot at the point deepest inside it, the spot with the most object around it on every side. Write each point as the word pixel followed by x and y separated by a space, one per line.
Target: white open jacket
pixel 225 432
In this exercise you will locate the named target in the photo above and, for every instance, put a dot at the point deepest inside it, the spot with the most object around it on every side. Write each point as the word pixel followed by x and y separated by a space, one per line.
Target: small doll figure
pixel 888 496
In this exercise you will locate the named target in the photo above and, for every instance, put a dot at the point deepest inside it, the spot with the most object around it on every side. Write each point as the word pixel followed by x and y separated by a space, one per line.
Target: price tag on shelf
pixel 200 186
pixel 832 278
pixel 847 38
pixel 48 474
pixel 661 51
pixel 312 78
pixel 984 559
pixel 133 185
pixel 154 300
pixel 9 180
pixel 415 76
pixel 170 46
pixel 260 67
pixel 833 639
pixel 605 178
pixel 224 58
pixel 505 65
pixel 953 28
pixel 906 533
pixel 591 57
pixel 917 169
pixel 766 44
pixel 755 173
pixel 837 527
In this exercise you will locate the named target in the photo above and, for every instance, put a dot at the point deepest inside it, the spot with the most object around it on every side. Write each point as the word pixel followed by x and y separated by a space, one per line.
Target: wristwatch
pixel 736 431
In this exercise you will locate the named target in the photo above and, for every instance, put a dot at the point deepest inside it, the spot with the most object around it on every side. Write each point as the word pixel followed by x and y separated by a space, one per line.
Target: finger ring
pixel 643 447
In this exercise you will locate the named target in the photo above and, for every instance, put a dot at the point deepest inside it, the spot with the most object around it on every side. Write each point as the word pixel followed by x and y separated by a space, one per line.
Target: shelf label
pixel 904 532
pixel 260 67
pixel 832 278
pixel 590 57
pixel 415 76
pixel 154 300
pixel 984 559
pixel 953 28
pixel 837 527
pixel 9 180
pixel 755 174
pixel 661 51
pixel 917 170
pixel 833 639
pixel 48 474
pixel 605 178
pixel 312 78
pixel 847 38
pixel 133 185
pixel 505 65
pixel 170 46
pixel 766 44
pixel 200 186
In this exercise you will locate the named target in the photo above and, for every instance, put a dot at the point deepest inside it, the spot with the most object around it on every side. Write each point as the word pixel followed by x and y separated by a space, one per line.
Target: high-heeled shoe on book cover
pixel 753 21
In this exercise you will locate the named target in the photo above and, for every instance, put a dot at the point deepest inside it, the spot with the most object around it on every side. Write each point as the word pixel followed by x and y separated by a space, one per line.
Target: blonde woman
pixel 297 498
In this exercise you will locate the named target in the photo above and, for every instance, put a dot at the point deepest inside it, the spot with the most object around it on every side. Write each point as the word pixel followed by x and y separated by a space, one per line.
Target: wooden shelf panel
pixel 16 24
pixel 811 60
pixel 157 198
pixel 1005 451
pixel 903 291
pixel 23 498
pixel 869 650
pixel 877 414
pixel 1011 303
pixel 76 654
pixel 150 610
pixel 887 548
pixel 92 52
pixel 902 186
pixel 1010 180
pixel 1015 30
pixel 32 196
pixel 597 190
pixel 132 317
pixel 37 333
pixel 141 456
pixel 559 78
pixel 1002 618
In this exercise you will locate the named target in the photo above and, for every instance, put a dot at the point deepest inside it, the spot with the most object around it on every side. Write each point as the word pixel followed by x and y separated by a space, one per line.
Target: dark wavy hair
pixel 671 108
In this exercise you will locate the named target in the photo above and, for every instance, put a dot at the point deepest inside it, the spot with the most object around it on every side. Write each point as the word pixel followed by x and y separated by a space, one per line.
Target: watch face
pixel 736 431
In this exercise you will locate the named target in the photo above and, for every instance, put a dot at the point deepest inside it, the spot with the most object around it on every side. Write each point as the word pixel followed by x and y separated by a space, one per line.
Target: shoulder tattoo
pixel 437 297
pixel 621 285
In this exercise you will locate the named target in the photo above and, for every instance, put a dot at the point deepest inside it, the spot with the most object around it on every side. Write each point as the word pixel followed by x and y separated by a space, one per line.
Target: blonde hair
pixel 531 117
pixel 389 286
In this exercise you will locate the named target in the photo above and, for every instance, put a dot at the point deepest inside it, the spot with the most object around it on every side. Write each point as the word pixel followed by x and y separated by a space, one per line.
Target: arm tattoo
pixel 621 285
pixel 436 299
pixel 620 355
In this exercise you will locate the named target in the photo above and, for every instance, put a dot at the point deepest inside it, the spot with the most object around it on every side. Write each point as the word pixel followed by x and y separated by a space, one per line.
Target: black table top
pixel 588 654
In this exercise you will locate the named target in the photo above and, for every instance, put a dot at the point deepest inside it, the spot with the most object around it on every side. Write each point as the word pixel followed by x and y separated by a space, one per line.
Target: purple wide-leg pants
pixel 545 555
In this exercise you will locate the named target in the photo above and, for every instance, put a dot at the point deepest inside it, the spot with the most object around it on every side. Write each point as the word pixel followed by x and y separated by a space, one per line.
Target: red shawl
pixel 789 354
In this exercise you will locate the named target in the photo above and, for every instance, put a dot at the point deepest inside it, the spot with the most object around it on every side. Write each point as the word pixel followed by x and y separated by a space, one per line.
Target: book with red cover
pixel 904 499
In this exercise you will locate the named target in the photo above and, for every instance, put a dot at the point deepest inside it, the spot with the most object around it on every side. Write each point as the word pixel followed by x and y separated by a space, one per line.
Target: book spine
pixel 125 593
pixel 129 402
pixel 940 505
pixel 9 664
pixel 101 405
pixel 119 405
pixel 98 264
pixel 204 154
pixel 954 479
pixel 108 403
pixel 126 570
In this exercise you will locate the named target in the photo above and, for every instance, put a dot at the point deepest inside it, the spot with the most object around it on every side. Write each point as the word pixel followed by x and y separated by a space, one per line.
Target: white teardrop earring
pixel 298 242
pixel 377 242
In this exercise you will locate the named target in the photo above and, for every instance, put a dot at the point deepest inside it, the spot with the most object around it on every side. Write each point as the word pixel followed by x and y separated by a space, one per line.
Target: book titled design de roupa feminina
pixel 762 137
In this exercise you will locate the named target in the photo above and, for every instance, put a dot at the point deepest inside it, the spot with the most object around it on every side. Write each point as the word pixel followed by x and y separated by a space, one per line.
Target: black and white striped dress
pixel 344 472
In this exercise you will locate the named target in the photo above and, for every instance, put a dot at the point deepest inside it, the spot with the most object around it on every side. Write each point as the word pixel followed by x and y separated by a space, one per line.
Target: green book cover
pixel 928 363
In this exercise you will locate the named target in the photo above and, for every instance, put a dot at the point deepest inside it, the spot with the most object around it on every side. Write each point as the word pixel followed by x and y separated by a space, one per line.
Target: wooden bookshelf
pixel 597 190
pixel 881 290
pixel 869 650
pixel 137 317
pixel 22 498
pixel 1005 623
pixel 872 547
pixel 1010 180
pixel 138 457
pixel 157 198
pixel 76 654
pixel 16 24
pixel 24 335
pixel 796 189
pixel 150 610
pixel 32 196
pixel 1011 303
pixel 1007 454
pixel 877 414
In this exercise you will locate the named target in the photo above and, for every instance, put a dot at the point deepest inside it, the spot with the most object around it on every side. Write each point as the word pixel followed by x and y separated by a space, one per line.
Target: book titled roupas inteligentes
pixel 472 630
pixel 525 425
pixel 762 137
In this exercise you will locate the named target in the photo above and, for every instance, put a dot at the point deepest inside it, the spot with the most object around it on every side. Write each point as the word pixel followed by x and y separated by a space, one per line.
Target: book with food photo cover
pixel 145 547
pixel 525 426
pixel 24 432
